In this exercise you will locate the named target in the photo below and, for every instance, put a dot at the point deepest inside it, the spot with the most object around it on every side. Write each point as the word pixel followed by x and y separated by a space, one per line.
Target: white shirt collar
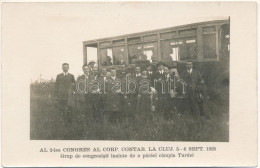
pixel 190 70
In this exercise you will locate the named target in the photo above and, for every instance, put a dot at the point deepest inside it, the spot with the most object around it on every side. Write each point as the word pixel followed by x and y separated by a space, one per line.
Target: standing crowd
pixel 128 94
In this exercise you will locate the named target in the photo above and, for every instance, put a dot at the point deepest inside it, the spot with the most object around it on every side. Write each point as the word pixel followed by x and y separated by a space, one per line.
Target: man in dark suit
pixel 194 83
pixel 129 96
pixel 102 79
pixel 91 67
pixel 62 86
pixel 150 72
pixel 144 92
pixel 159 85
pixel 137 77
pixel 113 103
pixel 137 71
pixel 122 71
pixel 167 104
pixel 84 96
pixel 177 89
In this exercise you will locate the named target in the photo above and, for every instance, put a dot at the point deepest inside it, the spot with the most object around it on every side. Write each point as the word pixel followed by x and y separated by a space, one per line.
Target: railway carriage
pixel 206 44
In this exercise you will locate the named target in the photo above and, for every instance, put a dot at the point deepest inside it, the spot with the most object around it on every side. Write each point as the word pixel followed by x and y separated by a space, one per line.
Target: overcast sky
pixel 45 35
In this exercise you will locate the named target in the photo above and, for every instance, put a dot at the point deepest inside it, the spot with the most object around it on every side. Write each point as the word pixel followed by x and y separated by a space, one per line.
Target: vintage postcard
pixel 129 84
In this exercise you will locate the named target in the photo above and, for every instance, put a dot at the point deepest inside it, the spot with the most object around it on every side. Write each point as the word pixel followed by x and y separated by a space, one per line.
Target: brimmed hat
pixel 173 65
pixel 128 70
pixel 91 62
pixel 160 63
pixel 150 65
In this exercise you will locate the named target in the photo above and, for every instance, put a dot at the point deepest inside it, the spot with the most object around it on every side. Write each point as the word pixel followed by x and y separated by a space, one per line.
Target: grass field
pixel 47 124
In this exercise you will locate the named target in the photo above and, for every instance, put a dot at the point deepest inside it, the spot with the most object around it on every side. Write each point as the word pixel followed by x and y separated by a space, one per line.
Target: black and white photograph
pixel 129 84
pixel 161 80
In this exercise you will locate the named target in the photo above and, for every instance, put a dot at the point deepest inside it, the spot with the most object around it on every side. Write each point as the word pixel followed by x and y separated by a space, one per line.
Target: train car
pixel 206 44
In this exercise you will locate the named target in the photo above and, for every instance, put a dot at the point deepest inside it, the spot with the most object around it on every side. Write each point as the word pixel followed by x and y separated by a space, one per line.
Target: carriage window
pixel 170 50
pixel 135 52
pixel 106 56
pixel 91 54
pixel 150 52
pixel 188 50
pixel 142 52
pixel 209 45
pixel 119 55
pixel 175 54
pixel 182 49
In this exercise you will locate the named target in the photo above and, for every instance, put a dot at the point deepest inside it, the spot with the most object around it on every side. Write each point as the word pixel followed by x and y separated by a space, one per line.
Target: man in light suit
pixel 62 86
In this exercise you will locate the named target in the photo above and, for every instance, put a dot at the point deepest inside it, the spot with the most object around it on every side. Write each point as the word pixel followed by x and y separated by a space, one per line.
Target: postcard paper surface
pixel 129 84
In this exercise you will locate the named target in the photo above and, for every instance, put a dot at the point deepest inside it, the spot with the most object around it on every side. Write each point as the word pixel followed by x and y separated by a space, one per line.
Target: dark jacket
pixel 121 74
pixel 193 80
pixel 82 88
pixel 159 82
pixel 113 101
pixel 62 85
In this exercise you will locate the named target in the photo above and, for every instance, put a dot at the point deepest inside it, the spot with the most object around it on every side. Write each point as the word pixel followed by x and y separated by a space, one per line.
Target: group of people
pixel 127 94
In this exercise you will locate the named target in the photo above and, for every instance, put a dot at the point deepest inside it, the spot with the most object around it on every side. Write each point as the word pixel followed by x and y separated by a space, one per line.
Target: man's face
pixel 137 70
pixel 65 68
pixel 95 70
pixel 113 73
pixel 189 65
pixel 160 67
pixel 166 70
pixel 86 70
pixel 123 68
pixel 104 71
pixel 144 74
pixel 108 74
pixel 92 65
pixel 173 70
pixel 149 68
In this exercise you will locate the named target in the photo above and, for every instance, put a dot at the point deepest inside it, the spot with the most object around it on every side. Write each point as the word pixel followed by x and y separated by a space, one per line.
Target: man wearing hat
pixel 91 66
pixel 144 92
pixel 176 89
pixel 150 73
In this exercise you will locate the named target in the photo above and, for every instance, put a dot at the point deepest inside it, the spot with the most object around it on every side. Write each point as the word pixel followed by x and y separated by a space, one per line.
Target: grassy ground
pixel 47 124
